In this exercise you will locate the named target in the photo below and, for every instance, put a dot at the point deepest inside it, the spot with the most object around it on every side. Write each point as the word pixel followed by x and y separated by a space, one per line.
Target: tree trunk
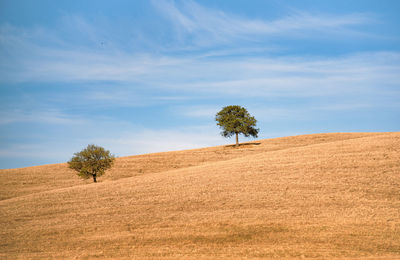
pixel 237 139
pixel 94 178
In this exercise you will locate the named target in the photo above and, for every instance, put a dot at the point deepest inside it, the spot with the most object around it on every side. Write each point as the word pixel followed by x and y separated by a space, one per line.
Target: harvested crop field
pixel 320 196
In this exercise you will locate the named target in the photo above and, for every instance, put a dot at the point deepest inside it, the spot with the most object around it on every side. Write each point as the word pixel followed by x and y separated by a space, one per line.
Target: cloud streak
pixel 38 55
pixel 205 26
pixel 52 117
pixel 267 76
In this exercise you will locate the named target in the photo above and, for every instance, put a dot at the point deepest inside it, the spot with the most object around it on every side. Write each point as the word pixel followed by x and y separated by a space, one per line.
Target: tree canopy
pixel 92 161
pixel 235 120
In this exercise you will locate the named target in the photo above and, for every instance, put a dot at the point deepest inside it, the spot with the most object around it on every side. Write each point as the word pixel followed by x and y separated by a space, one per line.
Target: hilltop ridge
pixel 22 181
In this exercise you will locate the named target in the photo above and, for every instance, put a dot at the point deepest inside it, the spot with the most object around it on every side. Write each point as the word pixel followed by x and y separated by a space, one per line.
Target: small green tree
pixel 92 161
pixel 236 120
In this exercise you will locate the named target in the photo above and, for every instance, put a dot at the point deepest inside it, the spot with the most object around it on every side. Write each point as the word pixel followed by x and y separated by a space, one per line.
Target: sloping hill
pixel 322 196
pixel 19 182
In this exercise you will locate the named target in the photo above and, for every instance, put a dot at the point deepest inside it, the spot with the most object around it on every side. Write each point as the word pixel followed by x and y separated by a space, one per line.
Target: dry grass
pixel 19 182
pixel 315 196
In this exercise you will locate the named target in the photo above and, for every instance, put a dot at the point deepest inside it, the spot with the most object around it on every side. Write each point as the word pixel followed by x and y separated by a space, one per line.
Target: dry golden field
pixel 321 196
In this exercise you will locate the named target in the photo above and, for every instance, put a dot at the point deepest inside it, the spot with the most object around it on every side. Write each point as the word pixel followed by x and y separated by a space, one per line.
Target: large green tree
pixel 92 161
pixel 235 120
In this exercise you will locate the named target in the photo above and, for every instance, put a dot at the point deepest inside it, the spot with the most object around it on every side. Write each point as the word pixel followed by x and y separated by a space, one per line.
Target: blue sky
pixel 148 76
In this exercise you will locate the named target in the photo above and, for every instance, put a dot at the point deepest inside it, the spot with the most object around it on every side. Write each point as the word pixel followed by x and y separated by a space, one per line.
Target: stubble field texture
pixel 321 196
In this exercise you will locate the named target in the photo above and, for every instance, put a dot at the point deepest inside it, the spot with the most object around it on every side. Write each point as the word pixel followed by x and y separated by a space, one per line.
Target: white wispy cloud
pixel 40 152
pixel 39 55
pixel 150 140
pixel 204 111
pixel 268 76
pixel 207 26
pixel 132 140
pixel 51 116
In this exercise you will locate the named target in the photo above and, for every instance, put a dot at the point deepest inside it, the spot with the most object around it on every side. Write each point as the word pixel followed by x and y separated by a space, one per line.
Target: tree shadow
pixel 243 144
